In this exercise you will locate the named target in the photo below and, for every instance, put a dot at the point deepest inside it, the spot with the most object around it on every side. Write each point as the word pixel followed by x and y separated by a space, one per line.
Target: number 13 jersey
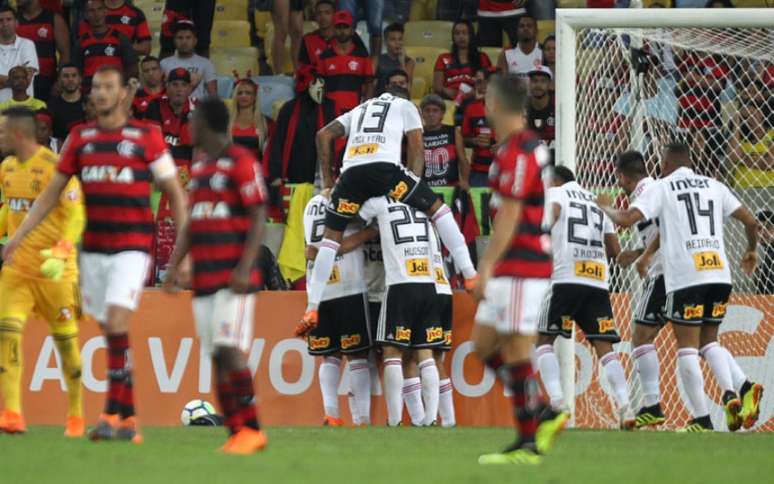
pixel 691 209
pixel 578 237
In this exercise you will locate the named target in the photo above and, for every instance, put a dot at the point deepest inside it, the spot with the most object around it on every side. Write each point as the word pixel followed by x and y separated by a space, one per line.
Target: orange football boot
pixel 75 427
pixel 12 423
pixel 246 441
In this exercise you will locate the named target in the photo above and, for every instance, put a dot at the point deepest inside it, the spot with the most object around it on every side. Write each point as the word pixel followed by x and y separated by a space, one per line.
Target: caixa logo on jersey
pixel 19 204
pixel 210 210
pixel 112 174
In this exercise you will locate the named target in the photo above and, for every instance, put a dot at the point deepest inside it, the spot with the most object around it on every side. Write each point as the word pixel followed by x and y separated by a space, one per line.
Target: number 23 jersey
pixel 691 209
pixel 578 237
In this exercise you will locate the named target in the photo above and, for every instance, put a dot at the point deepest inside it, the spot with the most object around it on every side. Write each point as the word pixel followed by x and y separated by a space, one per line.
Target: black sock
pixel 746 387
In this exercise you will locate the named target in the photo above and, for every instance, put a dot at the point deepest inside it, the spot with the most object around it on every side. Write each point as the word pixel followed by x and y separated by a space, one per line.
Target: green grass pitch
pixel 378 454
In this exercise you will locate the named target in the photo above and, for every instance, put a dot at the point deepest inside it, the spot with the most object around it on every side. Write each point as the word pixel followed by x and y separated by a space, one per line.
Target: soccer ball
pixel 196 409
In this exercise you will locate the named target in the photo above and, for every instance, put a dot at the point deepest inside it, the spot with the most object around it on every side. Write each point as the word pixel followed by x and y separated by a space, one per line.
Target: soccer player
pixel 44 274
pixel 582 239
pixel 691 210
pixel 344 324
pixel 115 158
pixel 649 310
pixel 224 238
pixel 372 168
pixel 514 272
pixel 436 385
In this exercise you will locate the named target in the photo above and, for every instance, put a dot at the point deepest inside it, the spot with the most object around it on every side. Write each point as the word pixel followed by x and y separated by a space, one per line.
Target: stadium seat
pixel 419 87
pixel 424 58
pixel 268 46
pixel 231 10
pixel 262 21
pixel 231 33
pixel 309 26
pixel 154 13
pixel 492 52
pixel 428 33
pixel 274 88
pixel 241 59
pixel 545 28
pixel 423 10
pixel 225 86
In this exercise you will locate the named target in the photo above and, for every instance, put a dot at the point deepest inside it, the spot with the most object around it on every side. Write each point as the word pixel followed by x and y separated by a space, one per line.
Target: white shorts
pixel 511 305
pixel 224 319
pixel 112 280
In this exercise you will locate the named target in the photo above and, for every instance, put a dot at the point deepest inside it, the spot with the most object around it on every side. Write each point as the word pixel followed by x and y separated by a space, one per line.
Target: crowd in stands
pixel 326 57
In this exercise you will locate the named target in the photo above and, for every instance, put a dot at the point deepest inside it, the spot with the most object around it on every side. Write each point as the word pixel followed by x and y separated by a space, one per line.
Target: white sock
pixel 428 372
pixel 737 374
pixel 446 404
pixel 329 374
pixel 393 390
pixel 360 388
pixel 718 361
pixel 693 380
pixel 548 365
pixel 453 240
pixel 617 378
pixel 376 388
pixel 412 395
pixel 646 361
pixel 323 265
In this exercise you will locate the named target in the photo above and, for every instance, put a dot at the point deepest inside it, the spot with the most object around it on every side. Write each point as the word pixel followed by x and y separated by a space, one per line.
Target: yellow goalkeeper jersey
pixel 21 183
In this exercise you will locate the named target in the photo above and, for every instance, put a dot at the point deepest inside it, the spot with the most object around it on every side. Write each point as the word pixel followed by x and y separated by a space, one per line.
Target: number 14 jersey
pixel 691 209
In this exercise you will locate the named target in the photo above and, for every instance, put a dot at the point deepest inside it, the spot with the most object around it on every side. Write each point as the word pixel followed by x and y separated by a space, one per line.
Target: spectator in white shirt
pixel 14 51
pixel 202 70
pixel 527 54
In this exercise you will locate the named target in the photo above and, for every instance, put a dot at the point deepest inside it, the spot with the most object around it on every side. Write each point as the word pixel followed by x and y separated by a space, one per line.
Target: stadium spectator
pixel 445 161
pixel 549 57
pixel 372 11
pixel 127 19
pixel 346 67
pixel 200 12
pixel 102 45
pixel 19 81
pixel 526 54
pixel 478 133
pixel 248 126
pixel 288 18
pixel 751 149
pixel 314 43
pixel 454 71
pixel 541 109
pixel 14 51
pixel 719 4
pixel 496 17
pixel 49 32
pixel 152 84
pixel 765 272
pixel 67 108
pixel 394 58
pixel 44 130
pixel 202 70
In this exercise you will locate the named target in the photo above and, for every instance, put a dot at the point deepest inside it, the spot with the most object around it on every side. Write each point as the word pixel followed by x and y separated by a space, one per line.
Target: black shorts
pixel 361 182
pixel 705 304
pixel 410 317
pixel 445 309
pixel 374 308
pixel 588 307
pixel 343 327
pixel 650 306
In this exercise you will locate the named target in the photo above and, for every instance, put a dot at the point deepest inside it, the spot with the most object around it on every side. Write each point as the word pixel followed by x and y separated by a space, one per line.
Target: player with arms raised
pixel 692 209
pixel 115 158
pixel 515 271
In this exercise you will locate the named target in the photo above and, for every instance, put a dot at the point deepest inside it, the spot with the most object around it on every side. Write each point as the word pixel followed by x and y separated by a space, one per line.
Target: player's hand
pixel 170 281
pixel 240 280
pixel 626 258
pixel 55 258
pixel 484 274
pixel 643 264
pixel 749 262
pixel 604 200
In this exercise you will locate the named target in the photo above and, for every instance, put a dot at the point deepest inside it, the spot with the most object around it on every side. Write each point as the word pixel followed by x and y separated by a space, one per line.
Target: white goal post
pixel 750 32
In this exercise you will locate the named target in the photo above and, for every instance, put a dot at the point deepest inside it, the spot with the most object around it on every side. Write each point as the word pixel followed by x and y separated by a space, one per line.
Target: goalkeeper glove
pixel 54 265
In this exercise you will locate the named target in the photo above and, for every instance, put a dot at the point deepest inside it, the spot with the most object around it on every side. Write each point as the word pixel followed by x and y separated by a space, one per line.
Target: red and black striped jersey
pixel 40 30
pixel 115 168
pixel 474 123
pixel 497 8
pixel 455 73
pixel 93 51
pixel 517 173
pixel 313 44
pixel 248 138
pixel 127 19
pixel 345 75
pixel 221 193
pixel 142 99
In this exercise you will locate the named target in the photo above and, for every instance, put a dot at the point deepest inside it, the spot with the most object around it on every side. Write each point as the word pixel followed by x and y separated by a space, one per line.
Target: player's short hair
pixel 564 174
pixel 678 149
pixel 394 27
pixel 214 113
pixel 397 72
pixel 325 2
pixel 150 58
pixel 631 163
pixel 511 91
pixel 23 116
pixel 105 68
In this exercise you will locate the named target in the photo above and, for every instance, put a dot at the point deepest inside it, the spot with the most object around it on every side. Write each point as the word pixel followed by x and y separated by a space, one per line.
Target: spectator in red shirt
pixel 49 32
pixel 346 67
pixel 478 133
pixel 127 19
pixel 496 17
pixel 152 84
pixel 456 68
pixel 314 43
pixel 248 126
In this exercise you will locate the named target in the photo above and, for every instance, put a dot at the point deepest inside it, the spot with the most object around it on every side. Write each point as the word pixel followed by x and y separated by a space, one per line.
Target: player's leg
pixel 648 320
pixel 323 341
pixel 426 335
pixel 412 388
pixel 554 320
pixel 445 391
pixel 393 383
pixel 356 342
pixel 359 387
pixel 616 377
pixel 395 338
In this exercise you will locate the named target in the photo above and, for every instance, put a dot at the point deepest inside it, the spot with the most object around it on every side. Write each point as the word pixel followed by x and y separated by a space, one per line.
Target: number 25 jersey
pixel 691 209
pixel 578 237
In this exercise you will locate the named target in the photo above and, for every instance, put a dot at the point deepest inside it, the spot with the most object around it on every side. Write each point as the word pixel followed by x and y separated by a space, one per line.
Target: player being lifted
pixel 515 271
pixel 372 168
pixel 224 237
pixel 115 158
pixel 691 210
pixel 44 274
pixel 648 313
pixel 582 239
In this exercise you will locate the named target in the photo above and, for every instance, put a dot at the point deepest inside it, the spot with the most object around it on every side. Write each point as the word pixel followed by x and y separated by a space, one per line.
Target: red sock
pixel 118 345
pixel 230 407
pixel 244 393
pixel 495 362
pixel 526 399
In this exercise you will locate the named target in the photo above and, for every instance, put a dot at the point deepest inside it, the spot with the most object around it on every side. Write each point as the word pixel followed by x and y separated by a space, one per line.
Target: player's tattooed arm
pixel 612 246
pixel 624 218
pixel 324 140
pixel 415 149
pixel 751 228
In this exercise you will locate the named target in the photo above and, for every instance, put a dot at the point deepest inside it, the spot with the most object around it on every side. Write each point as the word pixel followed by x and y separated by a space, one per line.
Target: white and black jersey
pixel 376 128
pixel 691 209
pixel 577 237
pixel 347 277
pixel 648 231
pixel 374 270
pixel 440 275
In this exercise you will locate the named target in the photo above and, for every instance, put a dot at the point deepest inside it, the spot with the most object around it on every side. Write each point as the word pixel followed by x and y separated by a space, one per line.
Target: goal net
pixel 668 78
